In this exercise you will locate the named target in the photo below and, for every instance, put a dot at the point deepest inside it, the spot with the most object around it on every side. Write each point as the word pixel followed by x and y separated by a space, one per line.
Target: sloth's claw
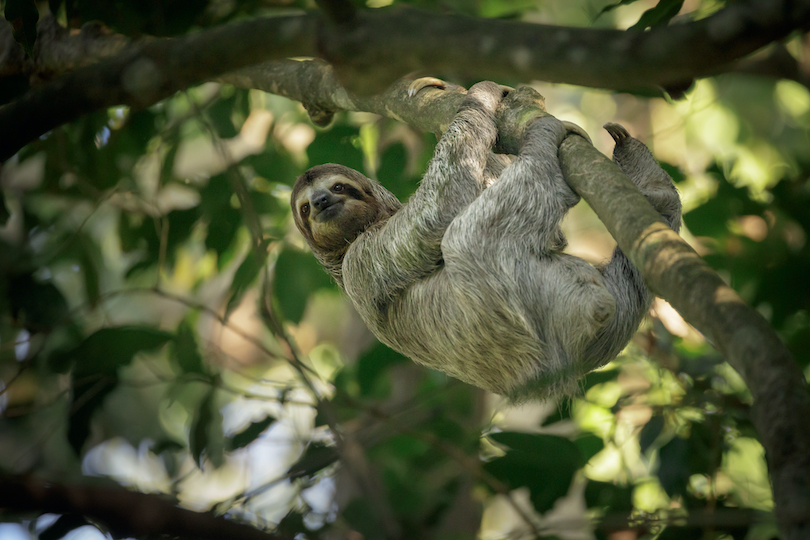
pixel 573 128
pixel 617 131
pixel 425 82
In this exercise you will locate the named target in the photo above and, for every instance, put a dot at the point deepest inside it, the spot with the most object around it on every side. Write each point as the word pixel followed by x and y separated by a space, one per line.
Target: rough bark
pixel 143 75
pixel 672 270
pixel 373 48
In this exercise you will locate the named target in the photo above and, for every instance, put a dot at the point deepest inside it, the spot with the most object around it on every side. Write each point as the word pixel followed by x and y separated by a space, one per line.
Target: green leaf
pixel 220 114
pixel 650 432
pixel 660 15
pixel 598 377
pixel 673 472
pixel 146 235
pixel 167 167
pixel 245 275
pixel 167 445
pixel 373 363
pixel 704 450
pixel 446 429
pixel 360 515
pixel 589 445
pixel 40 305
pixel 250 434
pixel 316 457
pixel 88 396
pixel 611 497
pixel 297 276
pixel 544 463
pixel 275 165
pixel 711 218
pixel 798 341
pixel 222 218
pixel 778 288
pixel 205 435
pixel 223 225
pixel 63 525
pixel 393 166
pixel 141 126
pixel 611 7
pixel 128 233
pixel 267 203
pixel 185 350
pixel 104 351
pixel 337 146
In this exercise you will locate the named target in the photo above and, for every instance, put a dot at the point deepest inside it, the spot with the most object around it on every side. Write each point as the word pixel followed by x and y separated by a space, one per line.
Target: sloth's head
pixel 332 205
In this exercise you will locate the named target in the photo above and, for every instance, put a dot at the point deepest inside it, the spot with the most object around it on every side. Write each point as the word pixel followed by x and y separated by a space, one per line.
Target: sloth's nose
pixel 320 201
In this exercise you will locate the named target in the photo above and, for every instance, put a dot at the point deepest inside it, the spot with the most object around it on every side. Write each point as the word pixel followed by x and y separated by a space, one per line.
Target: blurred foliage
pixel 147 336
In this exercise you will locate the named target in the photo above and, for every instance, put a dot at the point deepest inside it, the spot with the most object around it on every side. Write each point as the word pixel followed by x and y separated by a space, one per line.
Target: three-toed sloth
pixel 470 279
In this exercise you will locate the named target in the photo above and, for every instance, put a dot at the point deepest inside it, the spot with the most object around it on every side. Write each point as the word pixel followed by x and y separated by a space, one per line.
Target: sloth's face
pixel 333 210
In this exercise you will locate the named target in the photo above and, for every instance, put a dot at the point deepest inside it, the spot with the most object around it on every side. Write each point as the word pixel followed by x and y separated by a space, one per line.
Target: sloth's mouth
pixel 329 212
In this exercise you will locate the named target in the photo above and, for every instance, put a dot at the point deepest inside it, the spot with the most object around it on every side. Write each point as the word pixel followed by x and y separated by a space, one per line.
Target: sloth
pixel 469 278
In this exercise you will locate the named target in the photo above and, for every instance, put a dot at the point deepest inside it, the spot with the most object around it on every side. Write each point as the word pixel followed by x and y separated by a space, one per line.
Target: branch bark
pixel 143 75
pixel 376 47
pixel 674 271
pixel 126 513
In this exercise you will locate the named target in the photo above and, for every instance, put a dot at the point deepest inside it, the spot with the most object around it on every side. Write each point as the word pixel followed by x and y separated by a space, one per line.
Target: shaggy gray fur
pixel 468 279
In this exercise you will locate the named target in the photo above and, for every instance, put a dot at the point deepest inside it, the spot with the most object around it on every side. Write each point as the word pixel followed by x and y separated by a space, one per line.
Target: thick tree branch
pixel 669 57
pixel 315 84
pixel 673 270
pixel 126 513
pixel 144 75
pixel 381 45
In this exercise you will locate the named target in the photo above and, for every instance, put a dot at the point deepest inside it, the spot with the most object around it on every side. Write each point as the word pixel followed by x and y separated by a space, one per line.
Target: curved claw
pixel 573 128
pixel 617 131
pixel 424 82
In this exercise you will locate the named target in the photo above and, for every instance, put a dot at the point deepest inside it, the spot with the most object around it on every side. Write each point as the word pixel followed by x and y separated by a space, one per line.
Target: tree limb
pixel 143 75
pixel 381 45
pixel 126 513
pixel 672 270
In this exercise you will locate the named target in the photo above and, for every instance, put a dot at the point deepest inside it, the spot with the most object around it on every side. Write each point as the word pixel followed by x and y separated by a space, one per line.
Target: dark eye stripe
pixel 353 192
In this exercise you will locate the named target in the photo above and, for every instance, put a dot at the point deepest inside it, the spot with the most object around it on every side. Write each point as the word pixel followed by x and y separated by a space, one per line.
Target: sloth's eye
pixel 305 209
pixel 337 188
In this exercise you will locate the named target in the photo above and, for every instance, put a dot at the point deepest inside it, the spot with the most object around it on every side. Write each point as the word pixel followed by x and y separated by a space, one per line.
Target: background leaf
pixel 543 463
pixel 250 434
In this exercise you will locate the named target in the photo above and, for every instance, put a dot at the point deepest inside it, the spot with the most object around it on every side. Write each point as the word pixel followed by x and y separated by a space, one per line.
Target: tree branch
pixel 381 45
pixel 126 513
pixel 143 75
pixel 315 84
pixel 672 270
